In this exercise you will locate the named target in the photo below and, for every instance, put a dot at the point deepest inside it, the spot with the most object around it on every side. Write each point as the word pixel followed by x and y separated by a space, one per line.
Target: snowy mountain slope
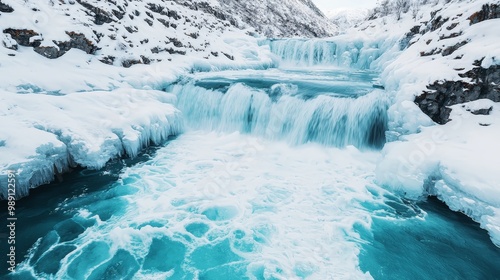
pixel 120 33
pixel 285 18
pixel 131 32
pixel 345 18
pixel 445 69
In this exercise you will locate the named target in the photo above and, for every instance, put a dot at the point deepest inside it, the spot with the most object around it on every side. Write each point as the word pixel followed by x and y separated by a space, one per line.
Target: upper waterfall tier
pixel 339 52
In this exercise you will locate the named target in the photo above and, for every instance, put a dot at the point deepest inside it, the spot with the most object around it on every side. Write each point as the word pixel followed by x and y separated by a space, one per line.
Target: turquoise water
pixel 41 212
pixel 274 179
pixel 304 83
pixel 426 240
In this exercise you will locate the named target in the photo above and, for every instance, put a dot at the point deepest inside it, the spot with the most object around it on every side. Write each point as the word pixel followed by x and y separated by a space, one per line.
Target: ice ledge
pixel 457 162
pixel 43 135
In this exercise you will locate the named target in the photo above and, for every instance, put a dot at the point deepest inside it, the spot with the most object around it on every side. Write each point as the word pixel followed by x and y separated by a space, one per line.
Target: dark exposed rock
pixel 164 22
pixel 155 50
pixel 488 11
pixel 173 14
pixel 163 11
pixel 148 21
pixel 129 62
pixel 406 41
pixel 436 23
pixel 130 29
pixel 108 60
pixel 205 7
pixel 194 35
pixel 432 104
pixel 100 16
pixel 228 56
pixel 118 14
pixel 452 35
pixel 453 25
pixel 77 41
pixel 216 54
pixel 23 36
pixel 176 42
pixel 432 52
pixel 485 83
pixel 483 111
pixel 145 60
pixel 50 52
pixel 451 49
pixel 4 8
pixel 156 9
pixel 172 51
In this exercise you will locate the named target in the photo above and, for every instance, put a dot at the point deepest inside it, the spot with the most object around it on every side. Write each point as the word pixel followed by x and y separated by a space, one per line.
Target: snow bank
pixel 457 162
pixel 41 135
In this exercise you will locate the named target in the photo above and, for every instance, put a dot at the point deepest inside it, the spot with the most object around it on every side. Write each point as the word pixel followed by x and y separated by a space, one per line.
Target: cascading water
pixel 280 113
pixel 340 52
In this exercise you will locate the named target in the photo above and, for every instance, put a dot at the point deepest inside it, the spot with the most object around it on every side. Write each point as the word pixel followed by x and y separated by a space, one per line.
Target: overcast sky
pixel 326 5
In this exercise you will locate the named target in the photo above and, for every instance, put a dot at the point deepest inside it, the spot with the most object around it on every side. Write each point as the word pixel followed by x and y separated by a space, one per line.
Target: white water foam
pixel 227 204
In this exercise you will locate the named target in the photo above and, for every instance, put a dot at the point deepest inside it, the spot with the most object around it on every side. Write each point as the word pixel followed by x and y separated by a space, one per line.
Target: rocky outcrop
pixel 482 83
pixel 444 37
pixel 24 37
pixel 406 41
pixel 4 8
pixel 100 16
pixel 488 11
pixel 30 38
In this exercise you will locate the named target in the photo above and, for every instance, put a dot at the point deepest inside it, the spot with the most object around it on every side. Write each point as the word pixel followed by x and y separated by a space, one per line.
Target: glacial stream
pixel 273 179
